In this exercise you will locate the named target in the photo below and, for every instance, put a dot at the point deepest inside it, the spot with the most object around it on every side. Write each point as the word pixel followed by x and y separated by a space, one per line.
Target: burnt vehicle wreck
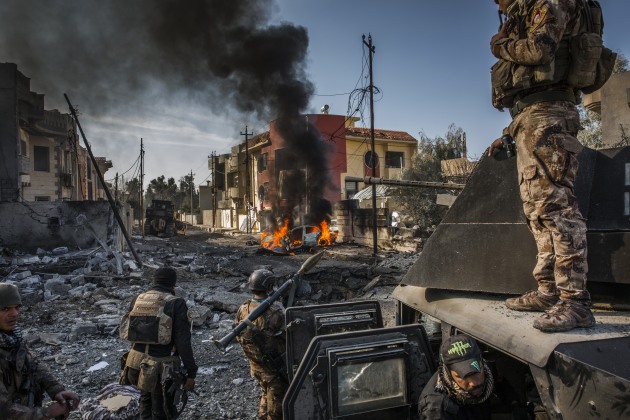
pixel 480 254
pixel 305 237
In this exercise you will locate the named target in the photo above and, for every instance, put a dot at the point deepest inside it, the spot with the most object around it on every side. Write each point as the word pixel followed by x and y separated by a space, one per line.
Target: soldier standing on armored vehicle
pixel 264 344
pixel 533 80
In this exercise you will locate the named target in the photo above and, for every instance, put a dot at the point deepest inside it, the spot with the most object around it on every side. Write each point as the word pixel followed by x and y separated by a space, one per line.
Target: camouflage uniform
pixel 18 386
pixel 544 130
pixel 264 344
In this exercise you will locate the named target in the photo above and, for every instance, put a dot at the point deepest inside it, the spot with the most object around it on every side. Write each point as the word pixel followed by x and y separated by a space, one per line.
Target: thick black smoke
pixel 221 53
pixel 113 55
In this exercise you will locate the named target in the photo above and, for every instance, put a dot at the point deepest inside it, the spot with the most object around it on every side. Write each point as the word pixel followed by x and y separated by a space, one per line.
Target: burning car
pixel 284 240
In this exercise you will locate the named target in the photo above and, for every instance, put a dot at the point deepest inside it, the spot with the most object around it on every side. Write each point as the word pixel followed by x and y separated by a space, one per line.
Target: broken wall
pixel 26 226
pixel 355 224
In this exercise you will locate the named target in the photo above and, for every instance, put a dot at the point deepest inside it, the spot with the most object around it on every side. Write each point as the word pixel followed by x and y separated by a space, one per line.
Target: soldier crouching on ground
pixel 157 324
pixel 23 379
pixel 264 344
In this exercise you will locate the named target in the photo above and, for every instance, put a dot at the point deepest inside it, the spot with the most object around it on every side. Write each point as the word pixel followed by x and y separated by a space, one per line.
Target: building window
pixel 262 163
pixel 42 198
pixel 41 160
pixel 351 189
pixel 394 160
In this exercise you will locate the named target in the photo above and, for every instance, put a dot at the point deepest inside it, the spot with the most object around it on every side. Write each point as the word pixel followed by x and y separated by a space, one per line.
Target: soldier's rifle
pixel 264 305
pixel 179 396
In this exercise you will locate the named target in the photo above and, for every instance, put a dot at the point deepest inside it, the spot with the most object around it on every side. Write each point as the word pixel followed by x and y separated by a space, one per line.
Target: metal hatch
pixel 375 374
pixel 483 243
pixel 304 323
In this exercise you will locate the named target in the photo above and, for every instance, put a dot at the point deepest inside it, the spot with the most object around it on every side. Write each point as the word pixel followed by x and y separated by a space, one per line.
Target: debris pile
pixel 74 300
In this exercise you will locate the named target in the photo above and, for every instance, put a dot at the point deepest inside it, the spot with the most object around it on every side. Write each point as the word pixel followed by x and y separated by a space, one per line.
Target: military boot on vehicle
pixel 532 301
pixel 564 316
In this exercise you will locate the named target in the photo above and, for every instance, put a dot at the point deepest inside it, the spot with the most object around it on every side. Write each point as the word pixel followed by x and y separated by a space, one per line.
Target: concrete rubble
pixel 74 300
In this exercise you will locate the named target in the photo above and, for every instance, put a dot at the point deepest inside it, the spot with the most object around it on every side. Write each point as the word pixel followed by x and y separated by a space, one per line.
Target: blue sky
pixel 432 60
pixel 432 66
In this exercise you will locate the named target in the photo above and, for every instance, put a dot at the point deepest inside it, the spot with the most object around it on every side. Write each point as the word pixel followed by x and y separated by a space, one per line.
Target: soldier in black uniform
pixel 462 386
pixel 157 326
pixel 264 344
pixel 23 380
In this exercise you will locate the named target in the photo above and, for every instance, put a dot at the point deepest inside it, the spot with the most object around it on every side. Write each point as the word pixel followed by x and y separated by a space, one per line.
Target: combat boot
pixel 532 301
pixel 566 315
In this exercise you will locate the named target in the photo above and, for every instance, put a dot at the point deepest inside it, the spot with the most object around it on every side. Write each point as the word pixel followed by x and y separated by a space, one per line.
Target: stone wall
pixel 355 224
pixel 26 226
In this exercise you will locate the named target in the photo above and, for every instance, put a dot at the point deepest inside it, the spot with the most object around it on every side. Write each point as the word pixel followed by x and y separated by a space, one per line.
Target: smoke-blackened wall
pixel 304 149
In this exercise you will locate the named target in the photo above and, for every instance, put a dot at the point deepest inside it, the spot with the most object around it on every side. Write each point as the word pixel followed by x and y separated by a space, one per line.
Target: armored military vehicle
pixel 344 365
pixel 160 219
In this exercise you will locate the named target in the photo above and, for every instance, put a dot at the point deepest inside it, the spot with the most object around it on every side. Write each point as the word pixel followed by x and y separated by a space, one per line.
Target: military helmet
pixel 261 280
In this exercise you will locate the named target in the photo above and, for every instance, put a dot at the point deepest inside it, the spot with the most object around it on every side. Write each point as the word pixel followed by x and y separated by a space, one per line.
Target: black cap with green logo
pixel 461 354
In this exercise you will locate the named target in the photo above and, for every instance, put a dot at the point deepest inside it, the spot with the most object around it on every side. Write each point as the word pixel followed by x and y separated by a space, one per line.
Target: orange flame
pixel 324 239
pixel 278 236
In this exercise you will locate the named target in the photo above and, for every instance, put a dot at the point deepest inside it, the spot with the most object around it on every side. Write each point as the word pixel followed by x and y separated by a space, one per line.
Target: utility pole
pixel 116 188
pixel 214 190
pixel 246 134
pixel 192 185
pixel 99 174
pixel 142 187
pixel 373 157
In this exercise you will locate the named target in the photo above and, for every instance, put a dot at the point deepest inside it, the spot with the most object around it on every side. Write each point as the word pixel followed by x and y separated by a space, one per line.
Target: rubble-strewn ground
pixel 74 301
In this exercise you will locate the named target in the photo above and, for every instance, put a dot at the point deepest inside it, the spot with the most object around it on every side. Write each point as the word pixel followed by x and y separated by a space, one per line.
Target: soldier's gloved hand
pixel 69 398
pixel 189 385
pixel 56 409
pixel 495 46
pixel 495 146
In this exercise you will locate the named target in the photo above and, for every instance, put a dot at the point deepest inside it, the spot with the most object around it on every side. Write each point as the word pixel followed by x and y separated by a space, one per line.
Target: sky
pixel 431 67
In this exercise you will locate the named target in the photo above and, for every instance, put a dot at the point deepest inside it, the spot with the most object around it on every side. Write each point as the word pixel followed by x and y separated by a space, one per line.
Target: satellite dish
pixel 325 109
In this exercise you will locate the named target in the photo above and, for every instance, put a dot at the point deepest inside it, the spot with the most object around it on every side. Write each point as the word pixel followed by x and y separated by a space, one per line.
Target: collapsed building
pixel 49 189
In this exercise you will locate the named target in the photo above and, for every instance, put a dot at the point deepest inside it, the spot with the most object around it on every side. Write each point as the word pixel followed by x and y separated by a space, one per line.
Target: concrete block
pixel 32 281
pixel 60 250
pixel 57 286
pixel 77 280
pixel 83 328
pixel 199 314
pixel 22 275
pixel 49 260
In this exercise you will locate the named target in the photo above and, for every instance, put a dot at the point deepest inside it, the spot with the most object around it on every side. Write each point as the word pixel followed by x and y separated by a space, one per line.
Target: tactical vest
pixel 147 323
pixel 257 340
pixel 581 61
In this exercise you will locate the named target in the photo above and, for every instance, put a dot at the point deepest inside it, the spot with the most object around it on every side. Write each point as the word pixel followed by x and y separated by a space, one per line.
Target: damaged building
pixel 274 173
pixel 49 187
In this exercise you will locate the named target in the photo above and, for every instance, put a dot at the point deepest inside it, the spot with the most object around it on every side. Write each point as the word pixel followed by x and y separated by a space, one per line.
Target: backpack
pixel 591 62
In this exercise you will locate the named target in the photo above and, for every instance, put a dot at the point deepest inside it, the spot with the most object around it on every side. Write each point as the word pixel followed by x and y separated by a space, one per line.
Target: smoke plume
pixel 112 56
pixel 220 53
